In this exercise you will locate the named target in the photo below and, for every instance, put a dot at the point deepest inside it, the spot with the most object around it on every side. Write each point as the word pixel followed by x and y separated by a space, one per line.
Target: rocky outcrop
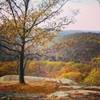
pixel 31 78
pixel 66 90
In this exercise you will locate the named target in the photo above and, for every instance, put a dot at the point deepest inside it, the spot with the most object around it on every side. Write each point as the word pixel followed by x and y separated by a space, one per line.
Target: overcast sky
pixel 89 16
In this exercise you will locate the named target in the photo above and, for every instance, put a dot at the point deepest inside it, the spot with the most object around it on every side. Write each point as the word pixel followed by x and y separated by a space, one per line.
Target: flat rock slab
pixel 58 95
pixel 75 95
pixel 7 78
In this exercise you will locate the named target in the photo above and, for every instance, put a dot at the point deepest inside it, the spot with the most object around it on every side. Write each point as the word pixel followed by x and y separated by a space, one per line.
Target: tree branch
pixel 54 12
pixel 11 8
pixel 10 49
pixel 8 42
pixel 18 7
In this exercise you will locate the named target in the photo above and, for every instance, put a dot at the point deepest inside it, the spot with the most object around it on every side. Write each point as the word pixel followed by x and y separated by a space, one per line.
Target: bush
pixel 96 62
pixel 8 68
pixel 93 78
pixel 72 75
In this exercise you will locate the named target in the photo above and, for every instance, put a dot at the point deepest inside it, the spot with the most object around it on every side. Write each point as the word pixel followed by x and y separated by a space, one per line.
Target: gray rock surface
pixel 59 94
pixel 32 78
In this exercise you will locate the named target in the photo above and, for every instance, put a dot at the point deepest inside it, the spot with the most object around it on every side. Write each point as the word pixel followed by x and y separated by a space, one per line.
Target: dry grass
pixel 36 87
pixel 8 68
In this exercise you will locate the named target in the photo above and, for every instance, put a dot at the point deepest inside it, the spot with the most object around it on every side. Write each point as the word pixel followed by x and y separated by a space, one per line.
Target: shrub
pixel 72 75
pixel 8 68
pixel 93 78
pixel 96 62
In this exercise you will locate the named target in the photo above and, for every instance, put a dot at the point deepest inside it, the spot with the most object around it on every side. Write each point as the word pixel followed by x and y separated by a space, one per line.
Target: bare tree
pixel 24 26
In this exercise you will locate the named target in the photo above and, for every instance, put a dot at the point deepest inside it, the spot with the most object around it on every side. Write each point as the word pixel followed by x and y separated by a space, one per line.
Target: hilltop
pixel 79 47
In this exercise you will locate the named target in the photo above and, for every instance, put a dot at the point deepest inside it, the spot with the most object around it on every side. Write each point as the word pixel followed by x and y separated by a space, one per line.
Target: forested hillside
pixel 79 47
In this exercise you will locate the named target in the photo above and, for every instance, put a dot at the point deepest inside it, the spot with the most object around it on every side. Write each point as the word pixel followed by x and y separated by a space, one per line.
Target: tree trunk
pixel 21 67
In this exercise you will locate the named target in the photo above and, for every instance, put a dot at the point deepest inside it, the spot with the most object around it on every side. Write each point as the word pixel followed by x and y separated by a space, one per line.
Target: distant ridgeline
pixel 77 46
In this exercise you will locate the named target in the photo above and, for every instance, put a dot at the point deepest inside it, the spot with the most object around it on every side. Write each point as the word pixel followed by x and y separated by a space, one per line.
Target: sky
pixel 88 17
